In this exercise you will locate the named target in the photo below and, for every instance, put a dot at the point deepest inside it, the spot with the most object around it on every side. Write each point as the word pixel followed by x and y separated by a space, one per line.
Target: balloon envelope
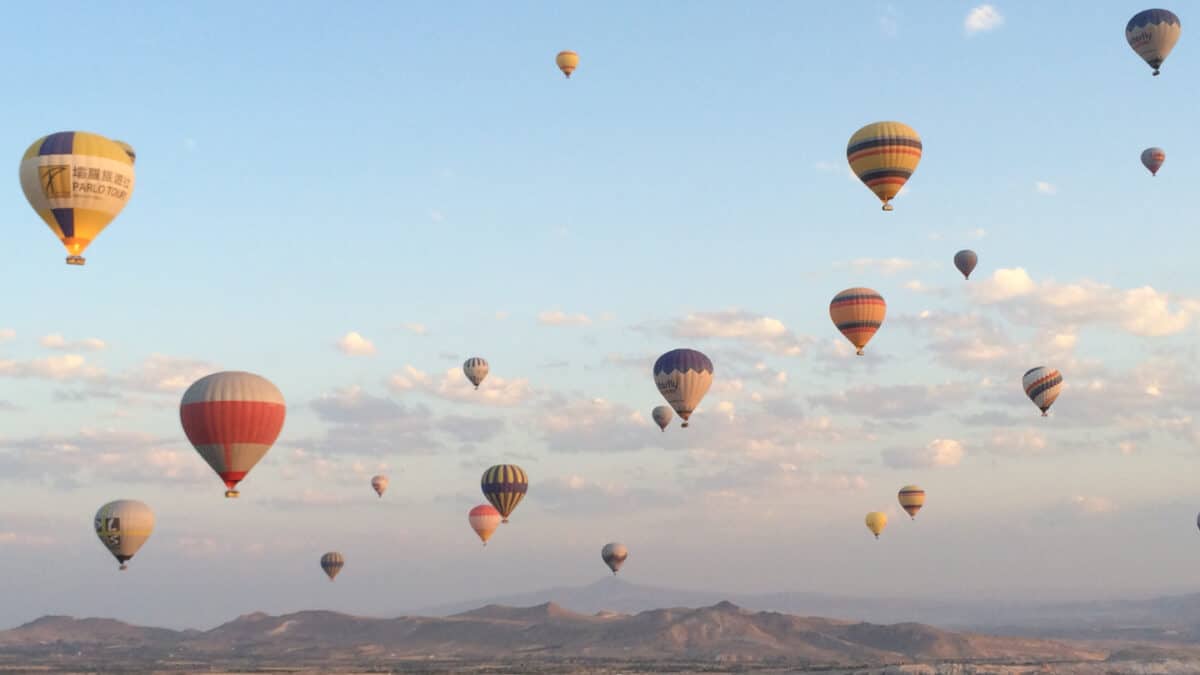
pixel 123 526
pixel 77 182
pixel 332 563
pixel 567 61
pixel 858 313
pixel 884 156
pixel 380 484
pixel 965 260
pixel 232 418
pixel 1152 159
pixel 484 520
pixel 912 498
pixel 475 368
pixel 683 377
pixel 1042 386
pixel 876 521
pixel 662 416
pixel 1152 33
pixel 505 486
pixel 614 555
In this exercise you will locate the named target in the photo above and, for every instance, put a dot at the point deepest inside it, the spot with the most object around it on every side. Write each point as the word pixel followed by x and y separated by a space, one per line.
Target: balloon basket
pixel 232 494
pixel 75 260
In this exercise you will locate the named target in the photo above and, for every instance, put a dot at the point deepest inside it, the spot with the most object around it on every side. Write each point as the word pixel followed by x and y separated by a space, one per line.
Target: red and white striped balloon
pixel 232 418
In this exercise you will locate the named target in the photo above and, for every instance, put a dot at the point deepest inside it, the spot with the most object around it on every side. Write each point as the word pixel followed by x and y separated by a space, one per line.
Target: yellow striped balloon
pixel 504 485
pixel 858 313
pixel 884 155
pixel 567 61
pixel 77 182
pixel 912 498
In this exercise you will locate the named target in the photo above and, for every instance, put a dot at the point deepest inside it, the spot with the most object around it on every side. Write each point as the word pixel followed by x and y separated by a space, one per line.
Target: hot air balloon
pixel 912 498
pixel 1152 33
pixel 232 418
pixel 504 485
pixel 484 520
pixel 884 155
pixel 1153 158
pixel 662 416
pixel 876 521
pixel 475 368
pixel 965 260
pixel 567 61
pixel 858 313
pixel 614 556
pixel 77 182
pixel 123 526
pixel 1042 386
pixel 332 563
pixel 380 484
pixel 683 377
pixel 128 150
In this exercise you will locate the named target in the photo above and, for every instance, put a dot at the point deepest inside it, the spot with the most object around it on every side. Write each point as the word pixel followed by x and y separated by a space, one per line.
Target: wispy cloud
pixel 982 19
pixel 58 342
pixel 1044 188
pixel 883 265
pixel 743 326
pixel 557 317
pixel 417 328
pixel 941 452
pixel 453 386
pixel 355 344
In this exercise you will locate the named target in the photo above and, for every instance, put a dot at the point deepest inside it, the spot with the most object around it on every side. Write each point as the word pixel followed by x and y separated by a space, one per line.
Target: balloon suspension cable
pixel 75 260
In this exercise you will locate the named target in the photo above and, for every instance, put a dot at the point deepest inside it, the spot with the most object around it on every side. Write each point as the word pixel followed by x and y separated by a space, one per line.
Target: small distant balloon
pixel 683 377
pixel 332 563
pixel 1152 33
pixel 475 368
pixel 123 526
pixel 1042 386
pixel 876 521
pixel 662 416
pixel 567 62
pixel 128 150
pixel 484 520
pixel 504 485
pixel 912 498
pixel 966 260
pixel 380 484
pixel 858 313
pixel 884 156
pixel 1153 158
pixel 614 556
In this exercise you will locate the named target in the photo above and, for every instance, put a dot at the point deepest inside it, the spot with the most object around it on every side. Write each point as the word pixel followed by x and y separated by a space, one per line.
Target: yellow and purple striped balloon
pixel 77 182
pixel 884 155
pixel 858 313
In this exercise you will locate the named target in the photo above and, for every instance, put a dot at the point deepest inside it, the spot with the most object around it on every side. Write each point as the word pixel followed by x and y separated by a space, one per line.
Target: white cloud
pixel 941 452
pixel 559 318
pixel 735 324
pixel 57 341
pixel 354 344
pixel 436 216
pixel 7 334
pixel 977 233
pixel 1042 187
pixel 982 19
pixel 454 386
pixel 64 367
pixel 1140 311
pixel 417 328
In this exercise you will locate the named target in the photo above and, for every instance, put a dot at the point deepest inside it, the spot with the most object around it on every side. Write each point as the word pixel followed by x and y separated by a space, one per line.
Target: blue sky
pixel 425 177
